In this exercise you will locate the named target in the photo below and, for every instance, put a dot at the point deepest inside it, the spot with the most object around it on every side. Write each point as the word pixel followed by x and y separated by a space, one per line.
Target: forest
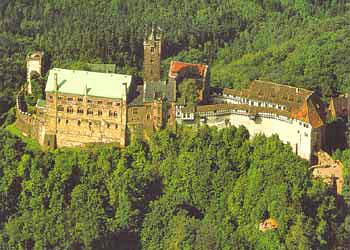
pixel 199 188
pixel 185 189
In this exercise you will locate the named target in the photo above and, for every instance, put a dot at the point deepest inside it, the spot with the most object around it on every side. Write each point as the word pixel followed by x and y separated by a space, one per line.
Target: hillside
pixel 198 188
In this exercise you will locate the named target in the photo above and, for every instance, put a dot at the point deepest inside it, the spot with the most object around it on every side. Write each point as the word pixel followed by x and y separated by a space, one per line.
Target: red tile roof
pixel 176 67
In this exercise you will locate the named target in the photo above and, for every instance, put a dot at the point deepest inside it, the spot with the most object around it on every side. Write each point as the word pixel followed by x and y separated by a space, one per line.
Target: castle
pixel 93 107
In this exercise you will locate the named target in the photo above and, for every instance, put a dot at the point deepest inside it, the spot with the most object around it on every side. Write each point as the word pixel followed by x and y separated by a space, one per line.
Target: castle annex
pixel 92 107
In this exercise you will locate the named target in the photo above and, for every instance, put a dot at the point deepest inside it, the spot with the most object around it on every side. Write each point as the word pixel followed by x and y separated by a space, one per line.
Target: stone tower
pixel 34 64
pixel 152 54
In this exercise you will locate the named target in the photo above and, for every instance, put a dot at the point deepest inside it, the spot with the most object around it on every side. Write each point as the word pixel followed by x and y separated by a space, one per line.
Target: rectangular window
pixel 99 112
pixel 70 110
pixel 80 99
pixel 60 98
pixel 109 103
pixel 152 50
pixel 89 101
pixel 99 102
pixel 70 99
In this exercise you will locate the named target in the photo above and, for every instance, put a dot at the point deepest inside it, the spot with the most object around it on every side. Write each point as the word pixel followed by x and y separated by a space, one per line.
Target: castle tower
pixel 34 64
pixel 152 54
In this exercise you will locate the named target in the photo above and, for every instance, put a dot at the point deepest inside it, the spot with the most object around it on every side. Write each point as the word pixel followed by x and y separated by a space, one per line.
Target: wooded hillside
pixel 184 189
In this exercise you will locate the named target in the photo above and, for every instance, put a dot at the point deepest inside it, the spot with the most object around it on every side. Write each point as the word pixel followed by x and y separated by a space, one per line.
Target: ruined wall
pixel 29 124
pixel 34 64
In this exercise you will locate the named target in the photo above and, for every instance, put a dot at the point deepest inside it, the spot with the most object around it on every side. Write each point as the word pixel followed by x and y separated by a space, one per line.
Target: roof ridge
pixel 88 71
pixel 175 61
pixel 281 84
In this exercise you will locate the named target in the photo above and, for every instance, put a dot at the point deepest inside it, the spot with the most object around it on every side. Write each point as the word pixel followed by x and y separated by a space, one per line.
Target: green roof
pixel 79 82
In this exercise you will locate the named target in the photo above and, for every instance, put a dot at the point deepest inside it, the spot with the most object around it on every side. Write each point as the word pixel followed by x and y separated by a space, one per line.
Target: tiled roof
pixel 278 93
pixel 160 89
pixel 310 112
pixel 92 83
pixel 301 104
pixel 176 67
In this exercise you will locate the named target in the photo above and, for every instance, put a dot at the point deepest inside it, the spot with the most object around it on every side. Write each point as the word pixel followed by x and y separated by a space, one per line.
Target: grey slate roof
pixel 160 89
pixel 136 98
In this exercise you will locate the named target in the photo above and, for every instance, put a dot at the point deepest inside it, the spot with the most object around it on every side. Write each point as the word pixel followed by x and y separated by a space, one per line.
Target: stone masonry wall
pixel 79 119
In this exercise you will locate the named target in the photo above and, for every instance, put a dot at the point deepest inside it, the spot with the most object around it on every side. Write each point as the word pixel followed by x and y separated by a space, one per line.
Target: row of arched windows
pixel 70 110
pixel 79 123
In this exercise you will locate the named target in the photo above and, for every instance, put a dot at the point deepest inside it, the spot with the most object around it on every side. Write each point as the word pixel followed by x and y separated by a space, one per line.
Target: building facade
pixel 89 107
pixel 296 115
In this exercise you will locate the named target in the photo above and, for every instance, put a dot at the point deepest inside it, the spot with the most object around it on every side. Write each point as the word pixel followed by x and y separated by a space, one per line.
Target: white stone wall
pixel 296 133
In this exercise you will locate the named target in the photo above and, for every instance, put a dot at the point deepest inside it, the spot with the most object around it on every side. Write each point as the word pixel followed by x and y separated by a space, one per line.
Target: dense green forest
pixel 184 189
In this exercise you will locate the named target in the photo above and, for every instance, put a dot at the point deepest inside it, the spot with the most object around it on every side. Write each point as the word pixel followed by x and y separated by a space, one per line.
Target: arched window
pixel 70 109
